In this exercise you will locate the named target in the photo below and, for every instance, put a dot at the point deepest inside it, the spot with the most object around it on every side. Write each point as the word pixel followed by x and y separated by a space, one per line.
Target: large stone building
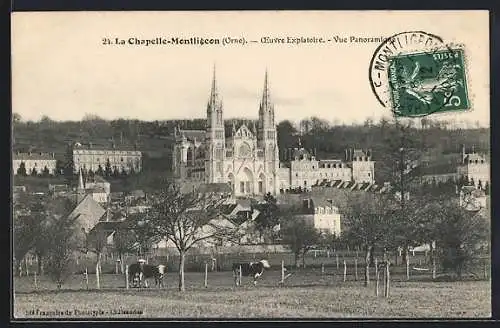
pixel 475 167
pixel 247 158
pixel 37 161
pixel 302 169
pixel 325 217
pixel 92 157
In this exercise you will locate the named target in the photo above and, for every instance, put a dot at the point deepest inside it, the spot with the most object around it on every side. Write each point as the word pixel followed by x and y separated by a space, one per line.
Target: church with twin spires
pixel 247 157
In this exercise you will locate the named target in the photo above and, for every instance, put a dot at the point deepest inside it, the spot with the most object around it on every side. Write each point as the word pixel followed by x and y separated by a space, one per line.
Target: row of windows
pixel 328 166
pixel 106 152
pixel 476 161
pixel 336 174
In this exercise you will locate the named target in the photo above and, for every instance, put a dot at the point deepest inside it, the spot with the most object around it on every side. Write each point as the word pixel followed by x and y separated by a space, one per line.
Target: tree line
pixel 326 138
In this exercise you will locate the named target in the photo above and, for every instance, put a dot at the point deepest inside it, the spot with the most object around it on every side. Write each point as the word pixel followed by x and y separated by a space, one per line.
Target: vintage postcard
pixel 259 164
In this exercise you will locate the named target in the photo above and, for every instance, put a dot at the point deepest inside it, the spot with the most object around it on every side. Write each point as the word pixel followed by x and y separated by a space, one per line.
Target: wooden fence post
pixel 86 278
pixel 239 277
pixel 206 274
pixel 388 276
pixel 485 269
pixel 356 269
pixel 282 272
pixel 97 274
pixel 126 277
pixel 433 267
pixel 337 260
pixel 407 267
pixel 345 271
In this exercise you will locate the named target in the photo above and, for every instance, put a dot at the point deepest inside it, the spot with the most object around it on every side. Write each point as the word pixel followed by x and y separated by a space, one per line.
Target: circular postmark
pixel 415 74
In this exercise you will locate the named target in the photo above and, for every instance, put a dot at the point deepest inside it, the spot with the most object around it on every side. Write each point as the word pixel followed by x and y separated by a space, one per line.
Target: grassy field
pixel 307 294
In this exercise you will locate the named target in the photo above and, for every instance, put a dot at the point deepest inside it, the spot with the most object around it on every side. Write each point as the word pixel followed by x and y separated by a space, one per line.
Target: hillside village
pixel 101 209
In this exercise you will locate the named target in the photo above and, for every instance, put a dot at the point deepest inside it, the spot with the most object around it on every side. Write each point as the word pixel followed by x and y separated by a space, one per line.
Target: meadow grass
pixel 306 294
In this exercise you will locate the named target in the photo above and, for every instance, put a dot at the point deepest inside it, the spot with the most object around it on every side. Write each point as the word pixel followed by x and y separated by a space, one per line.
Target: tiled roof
pixel 89 210
pixel 474 157
pixel 108 147
pixel 32 156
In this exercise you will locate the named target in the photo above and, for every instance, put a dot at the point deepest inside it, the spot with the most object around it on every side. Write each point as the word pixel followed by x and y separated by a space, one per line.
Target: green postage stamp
pixel 426 83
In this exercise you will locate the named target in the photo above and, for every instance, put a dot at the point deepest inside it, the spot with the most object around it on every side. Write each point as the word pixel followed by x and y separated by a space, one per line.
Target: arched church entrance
pixel 261 184
pixel 245 182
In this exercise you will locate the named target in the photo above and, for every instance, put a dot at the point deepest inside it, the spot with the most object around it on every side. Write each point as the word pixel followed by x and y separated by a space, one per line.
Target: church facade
pixel 247 157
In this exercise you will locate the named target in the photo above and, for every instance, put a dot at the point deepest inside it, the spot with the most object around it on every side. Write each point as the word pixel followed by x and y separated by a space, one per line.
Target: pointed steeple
pixel 266 97
pixel 80 180
pixel 214 99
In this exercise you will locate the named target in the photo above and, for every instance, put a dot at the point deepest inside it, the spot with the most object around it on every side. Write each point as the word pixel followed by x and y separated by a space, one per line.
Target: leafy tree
pixel 459 234
pixel 22 169
pixel 27 227
pixel 186 220
pixel 300 237
pixel 34 172
pixel 90 173
pixel 487 188
pixel 61 248
pixel 54 209
pixel 116 172
pixel 100 171
pixel 123 172
pixel 107 168
pixel 269 216
pixel 16 118
pixel 46 172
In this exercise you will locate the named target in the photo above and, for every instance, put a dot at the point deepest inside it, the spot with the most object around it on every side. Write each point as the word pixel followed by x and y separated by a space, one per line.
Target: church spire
pixel 213 91
pixel 80 180
pixel 266 98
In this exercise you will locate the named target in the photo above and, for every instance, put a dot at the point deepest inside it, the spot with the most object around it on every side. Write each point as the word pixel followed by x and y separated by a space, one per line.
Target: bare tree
pixel 96 242
pixel 123 242
pixel 186 219
pixel 368 222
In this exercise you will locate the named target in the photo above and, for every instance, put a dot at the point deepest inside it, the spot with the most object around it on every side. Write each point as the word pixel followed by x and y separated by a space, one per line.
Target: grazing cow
pixel 140 272
pixel 254 269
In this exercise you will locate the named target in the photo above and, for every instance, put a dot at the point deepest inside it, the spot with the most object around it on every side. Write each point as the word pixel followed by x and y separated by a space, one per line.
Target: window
pixel 121 159
pixel 313 167
pixel 305 183
pixel 242 187
pixel 261 187
pixel 296 174
pixel 247 186
pixel 369 174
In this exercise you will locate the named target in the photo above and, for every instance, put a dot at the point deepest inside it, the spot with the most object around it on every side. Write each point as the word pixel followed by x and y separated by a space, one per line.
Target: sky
pixel 62 69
